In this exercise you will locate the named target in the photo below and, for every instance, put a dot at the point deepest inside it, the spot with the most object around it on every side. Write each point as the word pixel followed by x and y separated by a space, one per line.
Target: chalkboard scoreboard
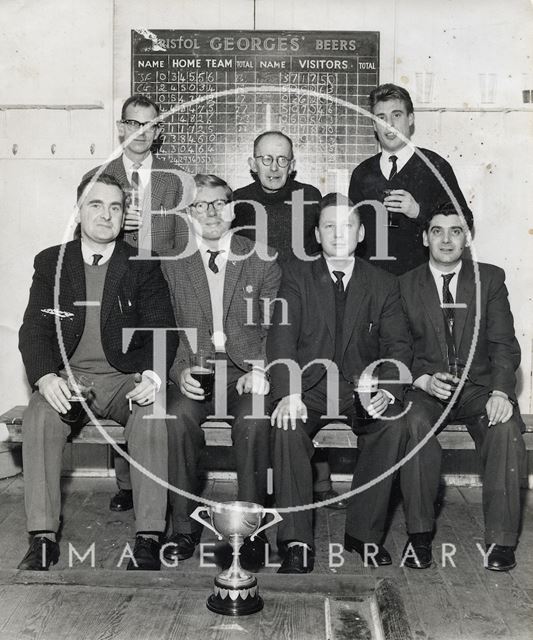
pixel 223 88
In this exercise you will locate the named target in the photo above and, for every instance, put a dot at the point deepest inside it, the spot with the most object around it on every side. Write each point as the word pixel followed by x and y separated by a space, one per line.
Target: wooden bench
pixel 217 434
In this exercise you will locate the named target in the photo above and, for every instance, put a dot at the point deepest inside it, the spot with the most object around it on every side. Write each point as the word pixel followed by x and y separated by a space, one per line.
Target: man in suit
pixel 439 298
pixel 83 295
pixel 344 311
pixel 155 190
pixel 402 178
pixel 222 292
pixel 272 167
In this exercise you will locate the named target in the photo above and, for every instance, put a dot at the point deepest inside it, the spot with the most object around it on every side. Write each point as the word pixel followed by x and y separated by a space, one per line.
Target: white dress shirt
pixel 437 276
pixel 144 171
pixel 348 271
pixel 105 251
pixel 404 155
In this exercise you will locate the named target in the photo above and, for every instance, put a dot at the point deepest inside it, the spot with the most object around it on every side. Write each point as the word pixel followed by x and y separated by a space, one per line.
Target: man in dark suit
pixel 222 294
pixel 155 190
pixel 402 178
pixel 347 313
pixel 445 338
pixel 83 296
pixel 290 207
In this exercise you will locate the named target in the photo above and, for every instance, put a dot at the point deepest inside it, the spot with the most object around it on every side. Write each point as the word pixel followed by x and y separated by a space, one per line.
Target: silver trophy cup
pixel 235 592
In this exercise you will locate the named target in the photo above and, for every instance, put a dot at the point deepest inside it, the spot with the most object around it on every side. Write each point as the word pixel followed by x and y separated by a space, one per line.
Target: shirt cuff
pixel 389 395
pixel 154 378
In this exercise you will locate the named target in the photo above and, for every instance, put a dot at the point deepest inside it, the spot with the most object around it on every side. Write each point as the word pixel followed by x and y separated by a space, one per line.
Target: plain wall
pixel 76 54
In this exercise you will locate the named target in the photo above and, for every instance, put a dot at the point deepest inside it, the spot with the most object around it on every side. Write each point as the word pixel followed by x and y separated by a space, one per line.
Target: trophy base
pixel 235 602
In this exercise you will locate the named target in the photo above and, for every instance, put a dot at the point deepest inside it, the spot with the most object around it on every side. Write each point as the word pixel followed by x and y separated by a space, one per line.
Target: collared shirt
pixel 404 155
pixel 216 285
pixel 105 251
pixel 348 271
pixel 437 276
pixel 144 170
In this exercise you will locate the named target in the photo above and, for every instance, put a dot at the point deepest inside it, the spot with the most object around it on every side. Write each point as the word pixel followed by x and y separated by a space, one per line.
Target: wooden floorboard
pixel 464 602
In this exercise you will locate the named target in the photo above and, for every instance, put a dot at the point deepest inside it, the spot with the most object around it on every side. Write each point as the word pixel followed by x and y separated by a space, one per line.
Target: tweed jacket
pixel 135 295
pixel 248 283
pixel 169 231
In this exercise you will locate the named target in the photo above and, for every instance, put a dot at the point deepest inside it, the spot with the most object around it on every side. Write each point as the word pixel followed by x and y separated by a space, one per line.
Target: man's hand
pixel 499 408
pixel 143 392
pixel 254 381
pixel 132 221
pixel 55 391
pixel 190 387
pixel 438 385
pixel 378 405
pixel 401 201
pixel 289 408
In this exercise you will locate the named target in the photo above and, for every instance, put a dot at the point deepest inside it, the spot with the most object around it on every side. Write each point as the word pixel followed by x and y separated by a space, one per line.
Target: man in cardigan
pixel 221 294
pixel 155 188
pixel 83 295
pixel 443 338
pixel 273 169
pixel 402 178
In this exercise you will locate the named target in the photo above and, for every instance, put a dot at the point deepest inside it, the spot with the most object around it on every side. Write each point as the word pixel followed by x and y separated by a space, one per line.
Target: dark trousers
pixel 45 435
pixel 501 450
pixel 251 446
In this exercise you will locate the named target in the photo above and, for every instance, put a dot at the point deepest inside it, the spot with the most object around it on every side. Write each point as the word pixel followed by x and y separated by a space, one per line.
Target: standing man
pixel 272 168
pixel 344 311
pixel 83 295
pixel 443 337
pixel 404 178
pixel 154 189
pixel 222 294
pixel 275 188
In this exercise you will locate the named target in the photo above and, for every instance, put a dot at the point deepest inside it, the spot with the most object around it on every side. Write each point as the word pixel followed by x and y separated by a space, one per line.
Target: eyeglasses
pixel 135 124
pixel 203 206
pixel 282 161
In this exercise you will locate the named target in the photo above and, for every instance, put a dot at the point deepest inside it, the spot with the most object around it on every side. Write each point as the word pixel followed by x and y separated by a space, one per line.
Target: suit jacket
pixel 374 325
pixel 169 231
pixel 135 295
pixel 496 352
pixel 247 283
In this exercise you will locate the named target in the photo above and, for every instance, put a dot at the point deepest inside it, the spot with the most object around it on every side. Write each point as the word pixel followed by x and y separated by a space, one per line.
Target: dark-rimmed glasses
pixel 203 207
pixel 281 161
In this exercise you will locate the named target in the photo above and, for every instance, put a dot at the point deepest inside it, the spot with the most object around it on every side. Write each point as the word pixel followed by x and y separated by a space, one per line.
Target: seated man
pixel 221 294
pixel 347 312
pixel 100 292
pixel 443 337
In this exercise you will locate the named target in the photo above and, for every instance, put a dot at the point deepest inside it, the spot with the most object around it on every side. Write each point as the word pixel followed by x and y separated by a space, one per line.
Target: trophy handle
pixel 275 519
pixel 196 515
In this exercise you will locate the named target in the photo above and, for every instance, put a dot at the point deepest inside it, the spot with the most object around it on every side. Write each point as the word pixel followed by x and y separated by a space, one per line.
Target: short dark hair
pixel 334 200
pixel 103 178
pixel 210 180
pixel 390 91
pixel 138 100
pixel 273 133
pixel 447 208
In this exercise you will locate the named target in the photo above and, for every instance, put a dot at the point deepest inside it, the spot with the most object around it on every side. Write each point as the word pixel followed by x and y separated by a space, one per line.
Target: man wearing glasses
pixel 154 188
pixel 272 168
pixel 220 295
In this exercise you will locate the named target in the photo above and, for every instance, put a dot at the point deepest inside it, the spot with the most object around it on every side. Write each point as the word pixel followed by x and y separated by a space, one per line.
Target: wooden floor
pixel 442 603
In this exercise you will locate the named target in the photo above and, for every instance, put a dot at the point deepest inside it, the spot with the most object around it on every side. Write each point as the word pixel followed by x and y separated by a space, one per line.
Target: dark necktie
pixel 135 180
pixel 339 275
pixel 394 169
pixel 340 304
pixel 449 317
pixel 96 258
pixel 212 264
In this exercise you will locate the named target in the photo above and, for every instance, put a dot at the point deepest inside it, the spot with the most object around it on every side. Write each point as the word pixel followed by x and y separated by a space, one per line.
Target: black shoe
pixel 254 552
pixel 298 559
pixel 374 558
pixel 146 554
pixel 320 496
pixel 122 501
pixel 181 546
pixel 501 558
pixel 42 553
pixel 418 555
